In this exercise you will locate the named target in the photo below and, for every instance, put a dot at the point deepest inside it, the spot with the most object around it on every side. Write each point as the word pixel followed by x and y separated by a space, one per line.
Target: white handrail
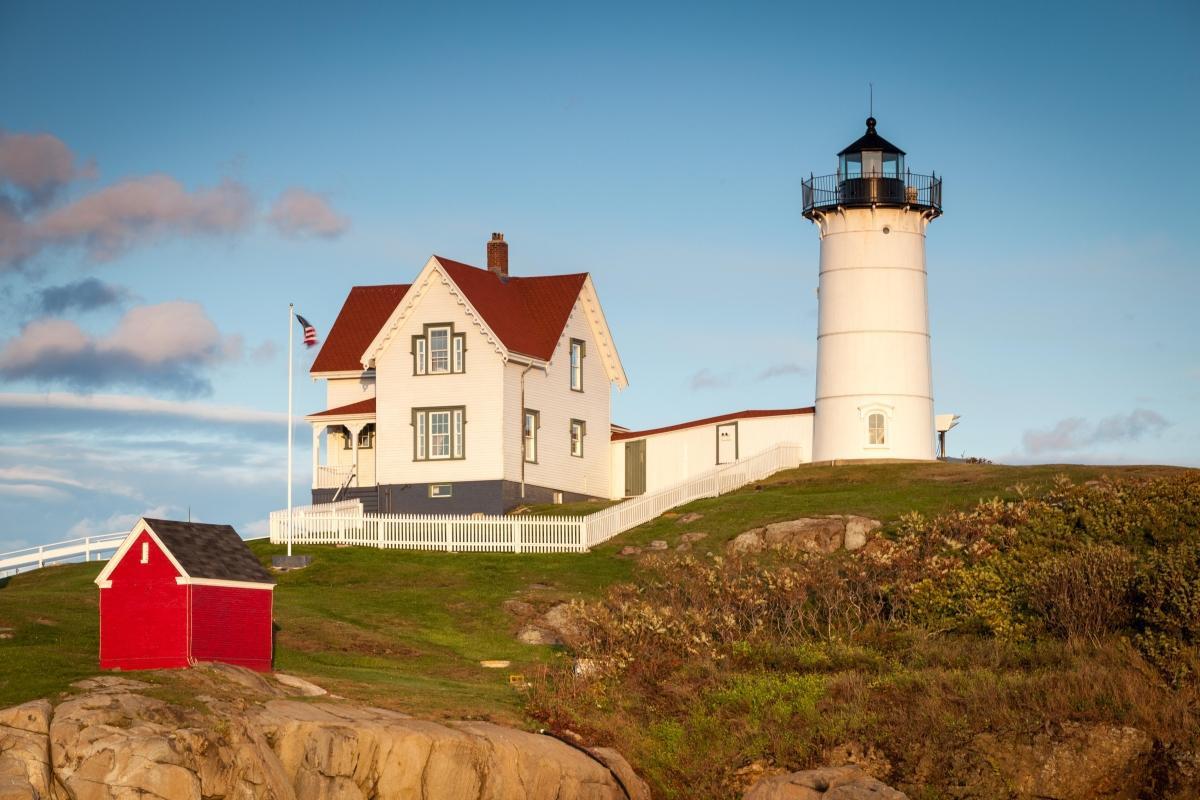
pixel 42 554
pixel 344 523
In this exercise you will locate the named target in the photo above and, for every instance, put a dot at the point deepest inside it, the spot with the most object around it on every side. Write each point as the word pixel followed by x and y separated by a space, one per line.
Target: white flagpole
pixel 291 336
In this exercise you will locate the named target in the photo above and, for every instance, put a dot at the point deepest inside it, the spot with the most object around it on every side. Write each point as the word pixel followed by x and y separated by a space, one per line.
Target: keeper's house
pixel 177 593
pixel 472 390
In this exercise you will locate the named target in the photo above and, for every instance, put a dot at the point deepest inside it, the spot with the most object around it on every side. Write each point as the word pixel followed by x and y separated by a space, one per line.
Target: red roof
pixel 781 412
pixel 361 317
pixel 361 407
pixel 527 313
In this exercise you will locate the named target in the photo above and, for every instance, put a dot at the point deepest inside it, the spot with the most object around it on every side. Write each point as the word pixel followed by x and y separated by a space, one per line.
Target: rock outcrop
pixel 228 733
pixel 821 535
pixel 827 783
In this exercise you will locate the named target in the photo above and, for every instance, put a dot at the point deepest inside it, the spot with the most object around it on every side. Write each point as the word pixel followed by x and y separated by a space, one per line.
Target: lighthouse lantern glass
pixel 851 166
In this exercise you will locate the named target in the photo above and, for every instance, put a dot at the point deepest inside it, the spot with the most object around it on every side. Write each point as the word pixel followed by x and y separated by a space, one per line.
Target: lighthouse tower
pixel 874 382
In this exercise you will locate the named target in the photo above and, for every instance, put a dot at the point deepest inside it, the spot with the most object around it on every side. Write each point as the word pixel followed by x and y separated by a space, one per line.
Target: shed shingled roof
pixel 210 551
pixel 527 313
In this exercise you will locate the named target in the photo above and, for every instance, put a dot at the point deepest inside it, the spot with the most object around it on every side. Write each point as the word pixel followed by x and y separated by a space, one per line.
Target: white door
pixel 727 449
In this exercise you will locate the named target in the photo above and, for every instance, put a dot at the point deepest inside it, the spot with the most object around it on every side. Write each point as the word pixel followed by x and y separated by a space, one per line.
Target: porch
pixel 349 433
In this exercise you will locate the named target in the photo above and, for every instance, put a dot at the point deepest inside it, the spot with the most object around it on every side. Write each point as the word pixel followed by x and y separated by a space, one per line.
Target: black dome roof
pixel 871 141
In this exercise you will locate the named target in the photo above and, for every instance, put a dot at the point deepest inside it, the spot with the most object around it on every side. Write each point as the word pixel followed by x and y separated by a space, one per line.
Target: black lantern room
pixel 871 172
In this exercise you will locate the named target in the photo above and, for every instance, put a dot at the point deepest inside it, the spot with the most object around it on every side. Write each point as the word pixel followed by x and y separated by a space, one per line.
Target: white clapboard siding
pixel 345 523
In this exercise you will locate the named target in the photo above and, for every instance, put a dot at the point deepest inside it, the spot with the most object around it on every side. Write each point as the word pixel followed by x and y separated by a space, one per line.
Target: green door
pixel 635 468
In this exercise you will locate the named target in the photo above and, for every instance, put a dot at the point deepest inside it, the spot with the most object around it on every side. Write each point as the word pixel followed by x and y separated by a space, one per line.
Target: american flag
pixel 310 333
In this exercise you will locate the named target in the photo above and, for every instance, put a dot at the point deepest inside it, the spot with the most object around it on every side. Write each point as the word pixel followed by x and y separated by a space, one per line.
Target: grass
pixel 407 630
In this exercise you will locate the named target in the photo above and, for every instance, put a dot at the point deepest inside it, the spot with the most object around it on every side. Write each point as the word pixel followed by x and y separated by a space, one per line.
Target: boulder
pixel 693 537
pixel 657 544
pixel 827 783
pixel 630 550
pixel 561 619
pixel 518 608
pixel 243 744
pixel 748 542
pixel 1077 762
pixel 25 751
pixel 302 686
pixel 534 634
pixel 811 535
pixel 691 516
pixel 858 530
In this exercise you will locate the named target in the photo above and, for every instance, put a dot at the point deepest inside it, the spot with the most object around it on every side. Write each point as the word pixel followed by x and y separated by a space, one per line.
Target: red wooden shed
pixel 176 593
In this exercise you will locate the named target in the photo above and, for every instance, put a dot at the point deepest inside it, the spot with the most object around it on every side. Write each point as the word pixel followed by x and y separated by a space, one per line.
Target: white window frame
pixel 529 442
pixel 436 444
pixel 865 413
pixel 581 426
pixel 433 351
pixel 420 356
pixel 441 491
pixel 881 429
pixel 420 434
pixel 575 361
pixel 425 447
pixel 456 434
pixel 145 552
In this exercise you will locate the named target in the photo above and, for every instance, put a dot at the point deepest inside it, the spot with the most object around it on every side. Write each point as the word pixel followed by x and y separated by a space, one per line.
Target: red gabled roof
pixel 696 423
pixel 361 407
pixel 528 314
pixel 361 317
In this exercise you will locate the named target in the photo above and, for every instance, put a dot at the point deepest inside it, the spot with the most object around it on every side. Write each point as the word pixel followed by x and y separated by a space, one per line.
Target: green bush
pixel 1085 592
pixel 1168 601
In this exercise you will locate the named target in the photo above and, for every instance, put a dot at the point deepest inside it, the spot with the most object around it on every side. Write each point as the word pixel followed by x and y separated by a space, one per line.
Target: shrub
pixel 1168 600
pixel 1086 592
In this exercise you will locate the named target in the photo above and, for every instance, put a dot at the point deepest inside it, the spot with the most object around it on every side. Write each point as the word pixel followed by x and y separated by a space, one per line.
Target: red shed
pixel 176 593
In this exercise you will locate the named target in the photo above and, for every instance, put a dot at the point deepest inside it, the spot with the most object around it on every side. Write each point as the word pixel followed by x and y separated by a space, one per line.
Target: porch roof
pixel 363 409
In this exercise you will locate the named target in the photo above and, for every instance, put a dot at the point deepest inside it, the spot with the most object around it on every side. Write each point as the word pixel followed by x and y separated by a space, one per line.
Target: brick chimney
pixel 497 254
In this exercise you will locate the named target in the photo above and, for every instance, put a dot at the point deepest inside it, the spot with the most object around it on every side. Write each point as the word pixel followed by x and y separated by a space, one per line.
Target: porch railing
pixel 88 548
pixel 345 523
pixel 332 476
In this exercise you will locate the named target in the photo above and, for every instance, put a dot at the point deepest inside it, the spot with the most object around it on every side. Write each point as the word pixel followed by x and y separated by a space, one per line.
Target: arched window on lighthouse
pixel 876 429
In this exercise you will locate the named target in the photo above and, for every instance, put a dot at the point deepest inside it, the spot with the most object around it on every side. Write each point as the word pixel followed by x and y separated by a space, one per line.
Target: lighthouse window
pixel 852 165
pixel 876 430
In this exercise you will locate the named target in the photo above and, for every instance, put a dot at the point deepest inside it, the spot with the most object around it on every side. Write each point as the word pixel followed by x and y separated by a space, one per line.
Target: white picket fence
pixel 87 548
pixel 345 523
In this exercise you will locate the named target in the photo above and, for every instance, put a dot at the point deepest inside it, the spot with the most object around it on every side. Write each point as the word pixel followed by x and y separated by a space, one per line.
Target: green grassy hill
pixel 408 630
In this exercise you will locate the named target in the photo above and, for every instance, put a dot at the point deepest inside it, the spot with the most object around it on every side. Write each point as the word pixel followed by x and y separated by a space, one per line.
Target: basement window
pixel 441 490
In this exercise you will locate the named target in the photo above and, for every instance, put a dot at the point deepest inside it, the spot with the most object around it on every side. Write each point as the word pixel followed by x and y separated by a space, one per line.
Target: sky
pixel 173 175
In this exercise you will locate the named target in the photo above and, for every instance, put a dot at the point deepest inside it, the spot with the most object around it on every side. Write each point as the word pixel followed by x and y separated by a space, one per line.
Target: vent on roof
pixel 497 255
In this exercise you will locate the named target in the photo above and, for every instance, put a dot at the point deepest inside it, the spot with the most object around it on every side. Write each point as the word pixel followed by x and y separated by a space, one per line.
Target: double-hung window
pixel 578 430
pixel 439 350
pixel 532 423
pixel 438 434
pixel 876 429
pixel 578 351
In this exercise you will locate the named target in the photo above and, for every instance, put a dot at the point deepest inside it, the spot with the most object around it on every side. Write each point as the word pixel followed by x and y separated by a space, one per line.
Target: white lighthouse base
pixel 841 431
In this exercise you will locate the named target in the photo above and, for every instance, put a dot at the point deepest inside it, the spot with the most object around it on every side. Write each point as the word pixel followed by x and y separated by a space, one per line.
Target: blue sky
pixel 174 177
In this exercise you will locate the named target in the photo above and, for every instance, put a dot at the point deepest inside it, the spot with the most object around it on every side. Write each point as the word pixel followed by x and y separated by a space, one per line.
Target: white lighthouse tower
pixel 874 382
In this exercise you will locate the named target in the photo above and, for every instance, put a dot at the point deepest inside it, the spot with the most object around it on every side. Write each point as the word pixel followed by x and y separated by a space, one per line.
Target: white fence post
pixel 41 557
pixel 449 534
pixel 516 535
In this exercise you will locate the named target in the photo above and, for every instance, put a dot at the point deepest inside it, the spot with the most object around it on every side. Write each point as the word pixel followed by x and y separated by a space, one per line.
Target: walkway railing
pixel 88 548
pixel 345 523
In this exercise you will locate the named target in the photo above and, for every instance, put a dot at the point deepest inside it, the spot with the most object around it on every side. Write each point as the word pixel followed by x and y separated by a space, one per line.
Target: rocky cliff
pixel 222 732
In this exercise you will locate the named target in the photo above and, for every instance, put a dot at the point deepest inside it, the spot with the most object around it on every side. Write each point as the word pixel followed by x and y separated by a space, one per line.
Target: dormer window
pixel 439 351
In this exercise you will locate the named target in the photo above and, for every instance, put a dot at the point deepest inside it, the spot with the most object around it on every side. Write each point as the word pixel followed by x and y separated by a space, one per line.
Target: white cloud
pixel 1076 433
pixel 707 379
pixel 33 491
pixel 300 213
pixel 116 523
pixel 131 404
pixel 163 346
